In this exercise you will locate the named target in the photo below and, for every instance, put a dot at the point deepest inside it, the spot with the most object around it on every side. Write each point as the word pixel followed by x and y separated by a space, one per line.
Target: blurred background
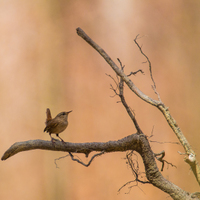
pixel 45 64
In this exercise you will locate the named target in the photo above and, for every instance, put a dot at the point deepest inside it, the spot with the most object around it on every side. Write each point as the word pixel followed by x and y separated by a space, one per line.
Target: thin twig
pixel 135 170
pixel 162 155
pixel 86 165
pixel 112 79
pixel 115 90
pixel 134 73
pixel 55 160
pixel 150 68
pixel 128 109
pixel 129 182
pixel 165 142
pixel 59 159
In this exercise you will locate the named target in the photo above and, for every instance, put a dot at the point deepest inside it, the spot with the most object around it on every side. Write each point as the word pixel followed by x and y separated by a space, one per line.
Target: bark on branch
pixel 127 143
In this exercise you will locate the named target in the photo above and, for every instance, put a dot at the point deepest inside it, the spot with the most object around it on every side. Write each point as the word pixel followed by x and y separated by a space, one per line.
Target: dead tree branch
pixel 159 104
pixel 150 68
pixel 134 73
pixel 159 157
pixel 118 71
pixel 119 91
pixel 124 144
pixel 135 142
pixel 134 165
pixel 128 109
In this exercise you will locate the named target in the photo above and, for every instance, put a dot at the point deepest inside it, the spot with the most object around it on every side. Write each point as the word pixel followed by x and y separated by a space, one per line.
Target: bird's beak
pixel 69 111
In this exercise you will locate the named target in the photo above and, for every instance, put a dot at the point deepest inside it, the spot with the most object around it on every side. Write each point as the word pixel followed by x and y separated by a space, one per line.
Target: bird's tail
pixel 49 118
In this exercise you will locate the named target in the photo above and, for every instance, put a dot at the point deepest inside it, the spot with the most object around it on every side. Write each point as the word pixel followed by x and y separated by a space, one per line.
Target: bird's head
pixel 63 114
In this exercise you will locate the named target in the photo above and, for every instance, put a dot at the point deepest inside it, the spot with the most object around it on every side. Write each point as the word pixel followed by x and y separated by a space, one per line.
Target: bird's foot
pixel 63 141
pixel 53 140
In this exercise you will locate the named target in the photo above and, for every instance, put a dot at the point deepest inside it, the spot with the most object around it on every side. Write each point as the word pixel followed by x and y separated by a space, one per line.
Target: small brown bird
pixel 57 124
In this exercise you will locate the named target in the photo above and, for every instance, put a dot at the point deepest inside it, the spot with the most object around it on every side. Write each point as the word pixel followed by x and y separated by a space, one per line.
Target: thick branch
pixel 155 176
pixel 127 143
pixel 136 142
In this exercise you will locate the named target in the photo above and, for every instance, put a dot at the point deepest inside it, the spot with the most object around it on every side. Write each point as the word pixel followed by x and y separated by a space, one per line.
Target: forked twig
pixel 160 158
pixel 135 170
pixel 86 165
pixel 134 73
pixel 128 109
pixel 55 160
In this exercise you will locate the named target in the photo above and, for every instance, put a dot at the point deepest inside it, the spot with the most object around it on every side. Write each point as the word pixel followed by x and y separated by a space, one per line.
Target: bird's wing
pixel 50 125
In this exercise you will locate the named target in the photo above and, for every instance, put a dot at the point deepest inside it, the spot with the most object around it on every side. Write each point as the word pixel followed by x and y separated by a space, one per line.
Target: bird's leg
pixel 52 139
pixel 60 138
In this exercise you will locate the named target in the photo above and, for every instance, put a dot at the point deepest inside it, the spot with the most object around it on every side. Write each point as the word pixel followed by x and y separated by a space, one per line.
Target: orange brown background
pixel 44 63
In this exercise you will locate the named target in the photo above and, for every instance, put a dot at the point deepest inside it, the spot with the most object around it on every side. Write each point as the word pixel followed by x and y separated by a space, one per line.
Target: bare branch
pixel 129 182
pixel 128 109
pixel 121 145
pixel 135 167
pixel 171 121
pixel 113 79
pixel 122 67
pixel 55 160
pixel 134 73
pixel 164 142
pixel 150 68
pixel 115 90
pixel 160 158
pixel 118 71
pixel 77 160
pixel 86 165
pixel 138 143
pixel 120 87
